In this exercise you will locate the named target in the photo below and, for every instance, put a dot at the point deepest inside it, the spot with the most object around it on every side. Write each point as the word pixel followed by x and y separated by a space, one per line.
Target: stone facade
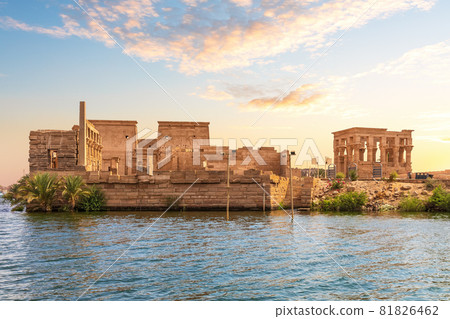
pixel 366 148
pixel 53 150
pixel 114 135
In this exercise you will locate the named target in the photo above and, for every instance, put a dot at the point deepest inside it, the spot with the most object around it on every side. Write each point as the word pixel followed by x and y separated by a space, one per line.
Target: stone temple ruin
pixel 373 150
pixel 147 170
pixel 114 148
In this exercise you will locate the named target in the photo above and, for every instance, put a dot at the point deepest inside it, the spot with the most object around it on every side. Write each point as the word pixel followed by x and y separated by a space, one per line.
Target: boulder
pixel 405 187
pixel 424 192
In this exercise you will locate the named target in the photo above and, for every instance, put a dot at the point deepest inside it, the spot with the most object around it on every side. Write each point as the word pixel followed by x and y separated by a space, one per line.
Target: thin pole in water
pixel 292 182
pixel 228 185
pixel 264 198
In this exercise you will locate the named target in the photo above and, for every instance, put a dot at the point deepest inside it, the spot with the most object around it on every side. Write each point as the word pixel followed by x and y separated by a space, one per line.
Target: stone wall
pixel 209 192
pixel 157 192
pixel 43 142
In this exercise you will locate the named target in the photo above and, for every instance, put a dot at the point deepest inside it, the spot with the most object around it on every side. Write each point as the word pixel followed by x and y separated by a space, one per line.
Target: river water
pixel 202 256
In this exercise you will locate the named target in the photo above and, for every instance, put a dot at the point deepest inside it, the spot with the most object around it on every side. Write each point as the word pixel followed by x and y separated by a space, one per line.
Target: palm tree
pixel 73 190
pixel 41 189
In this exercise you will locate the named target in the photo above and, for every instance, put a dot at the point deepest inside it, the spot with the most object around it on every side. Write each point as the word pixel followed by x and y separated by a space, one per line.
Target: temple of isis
pixel 366 149
pixel 145 172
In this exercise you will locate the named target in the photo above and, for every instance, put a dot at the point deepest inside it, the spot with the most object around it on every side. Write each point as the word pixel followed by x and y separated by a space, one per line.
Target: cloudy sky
pixel 254 69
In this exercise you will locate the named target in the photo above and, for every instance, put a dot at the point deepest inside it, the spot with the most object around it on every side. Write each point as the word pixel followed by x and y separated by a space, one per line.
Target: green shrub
pixel 93 200
pixel 353 175
pixel 393 176
pixel 340 175
pixel 347 202
pixel 411 204
pixel 327 205
pixel 431 184
pixel 336 184
pixel 439 201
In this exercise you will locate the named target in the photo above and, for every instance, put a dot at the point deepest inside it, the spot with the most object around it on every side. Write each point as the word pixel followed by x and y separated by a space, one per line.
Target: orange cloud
pixel 305 96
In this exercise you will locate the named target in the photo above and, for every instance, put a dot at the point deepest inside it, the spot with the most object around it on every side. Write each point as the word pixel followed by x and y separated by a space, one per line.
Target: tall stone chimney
pixel 82 143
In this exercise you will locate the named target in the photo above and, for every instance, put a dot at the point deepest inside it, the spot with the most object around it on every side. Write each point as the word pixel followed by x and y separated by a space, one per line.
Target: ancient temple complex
pixel 143 170
pixel 371 150
pixel 115 147
pixel 146 170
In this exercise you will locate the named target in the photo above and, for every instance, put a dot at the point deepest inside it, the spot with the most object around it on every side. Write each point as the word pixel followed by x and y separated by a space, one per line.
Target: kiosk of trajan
pixel 372 151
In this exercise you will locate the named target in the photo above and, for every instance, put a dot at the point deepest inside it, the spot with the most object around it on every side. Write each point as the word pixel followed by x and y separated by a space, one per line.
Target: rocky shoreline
pixel 381 195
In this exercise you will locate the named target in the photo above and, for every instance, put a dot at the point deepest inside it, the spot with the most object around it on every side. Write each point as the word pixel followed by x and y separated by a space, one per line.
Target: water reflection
pixel 202 256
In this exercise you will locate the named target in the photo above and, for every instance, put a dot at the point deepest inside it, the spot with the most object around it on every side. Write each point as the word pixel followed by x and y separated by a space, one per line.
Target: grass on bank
pixel 411 204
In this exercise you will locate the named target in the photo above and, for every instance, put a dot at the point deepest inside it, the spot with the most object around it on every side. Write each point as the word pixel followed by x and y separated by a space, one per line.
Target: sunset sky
pixel 319 66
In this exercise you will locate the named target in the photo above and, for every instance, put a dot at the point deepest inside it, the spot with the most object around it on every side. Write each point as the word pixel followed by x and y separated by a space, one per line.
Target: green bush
pixel 340 175
pixel 439 201
pixel 393 176
pixel 353 175
pixel 336 184
pixel 431 184
pixel 93 200
pixel 347 202
pixel 411 204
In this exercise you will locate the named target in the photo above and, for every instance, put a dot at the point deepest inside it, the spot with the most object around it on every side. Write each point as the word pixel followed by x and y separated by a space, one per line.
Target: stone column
pixel 82 137
pixel 369 150
pixel 395 154
pixel 408 156
pixel 383 150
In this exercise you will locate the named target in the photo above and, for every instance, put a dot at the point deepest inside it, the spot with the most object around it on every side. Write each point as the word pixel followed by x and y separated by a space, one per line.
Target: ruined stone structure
pixel 365 148
pixel 53 149
pixel 147 172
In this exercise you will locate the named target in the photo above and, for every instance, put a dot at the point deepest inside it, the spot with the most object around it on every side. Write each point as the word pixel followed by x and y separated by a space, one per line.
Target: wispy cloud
pixel 70 28
pixel 211 93
pixel 431 61
pixel 217 35
pixel 293 68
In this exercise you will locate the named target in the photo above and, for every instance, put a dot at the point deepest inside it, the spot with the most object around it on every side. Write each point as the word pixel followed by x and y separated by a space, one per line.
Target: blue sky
pixel 226 62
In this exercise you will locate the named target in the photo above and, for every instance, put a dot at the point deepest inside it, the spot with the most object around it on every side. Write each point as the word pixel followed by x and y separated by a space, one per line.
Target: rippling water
pixel 201 256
